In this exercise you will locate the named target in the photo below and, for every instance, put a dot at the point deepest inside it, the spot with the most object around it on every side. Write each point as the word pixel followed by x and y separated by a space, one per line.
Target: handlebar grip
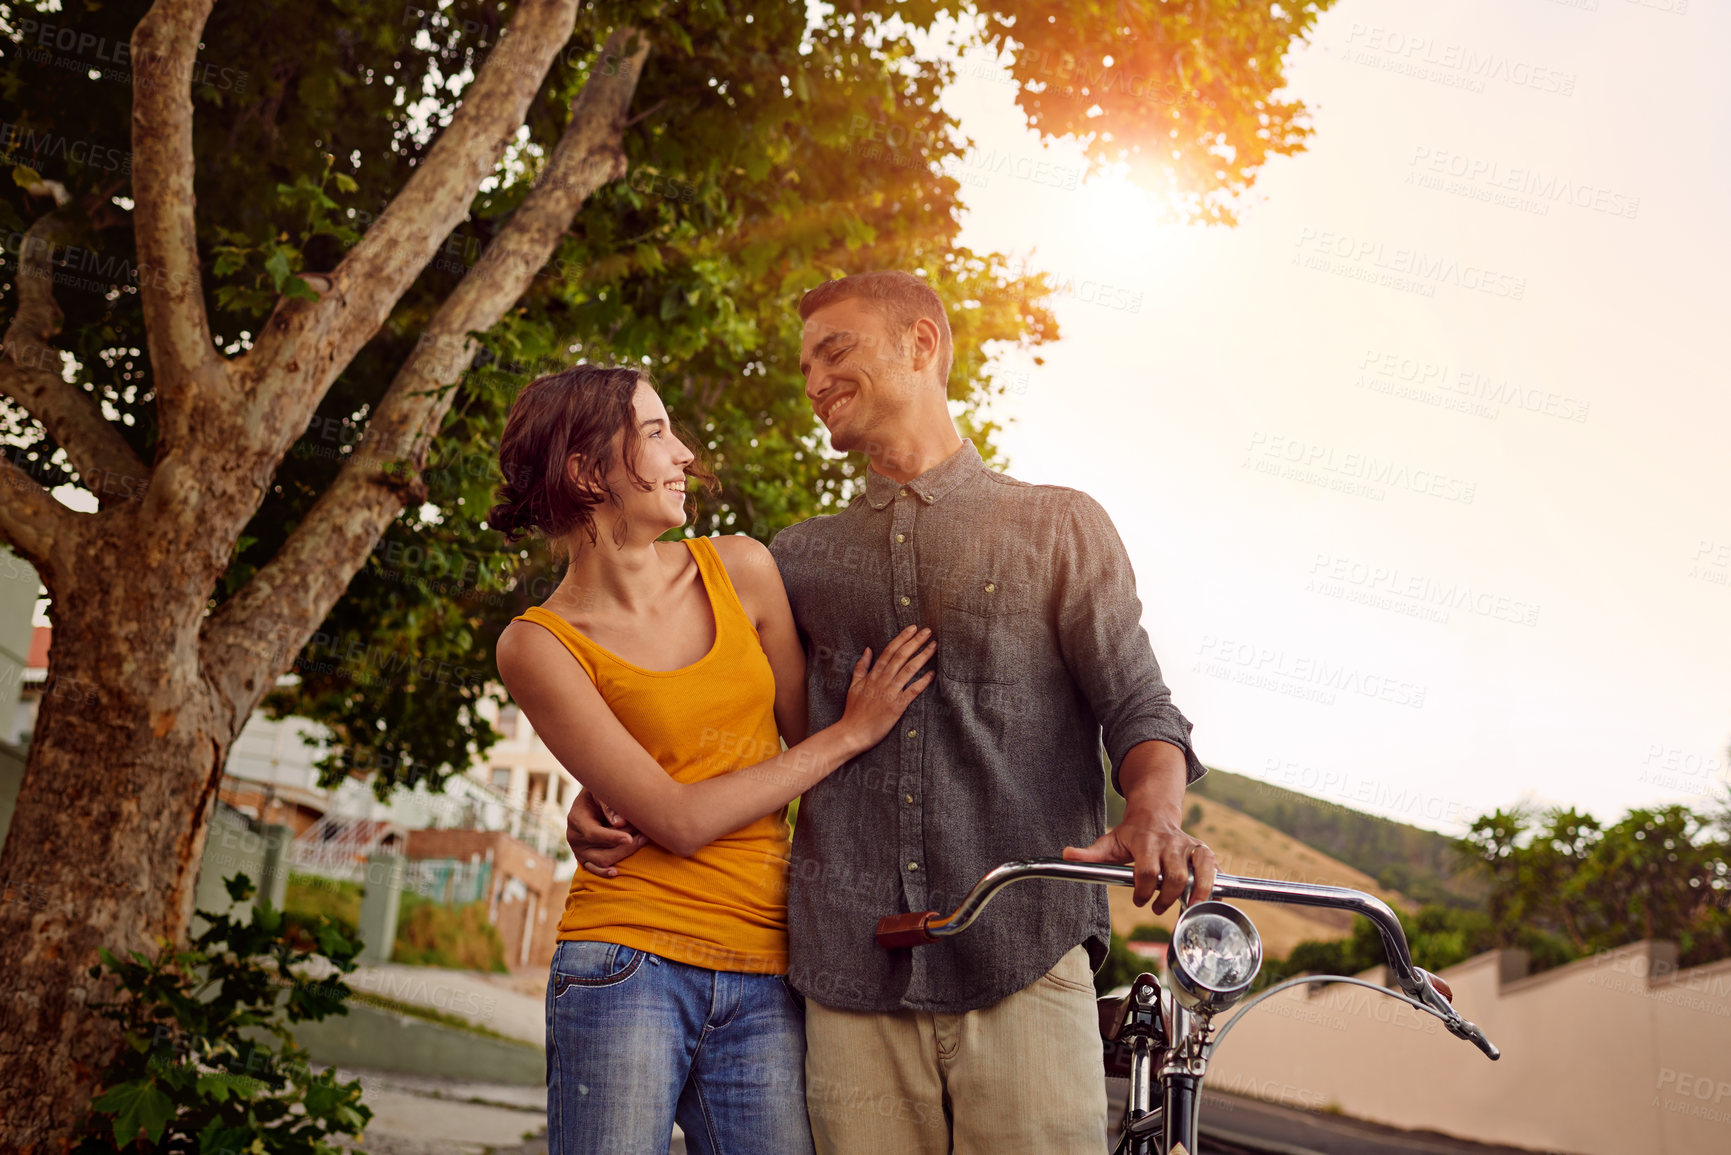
pixel 1476 1037
pixel 909 929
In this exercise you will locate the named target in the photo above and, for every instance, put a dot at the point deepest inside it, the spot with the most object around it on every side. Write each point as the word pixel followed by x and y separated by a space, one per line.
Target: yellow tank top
pixel 725 907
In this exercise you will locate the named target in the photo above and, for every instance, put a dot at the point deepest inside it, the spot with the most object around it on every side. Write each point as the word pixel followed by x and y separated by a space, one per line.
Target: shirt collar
pixel 930 485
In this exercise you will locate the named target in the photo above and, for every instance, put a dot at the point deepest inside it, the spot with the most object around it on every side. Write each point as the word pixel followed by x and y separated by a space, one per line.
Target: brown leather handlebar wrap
pixel 906 929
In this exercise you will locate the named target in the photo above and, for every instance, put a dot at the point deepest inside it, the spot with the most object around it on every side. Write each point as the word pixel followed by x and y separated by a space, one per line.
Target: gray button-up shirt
pixel 1041 649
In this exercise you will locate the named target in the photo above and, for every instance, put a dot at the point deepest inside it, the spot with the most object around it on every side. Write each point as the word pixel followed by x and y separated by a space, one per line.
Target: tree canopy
pixel 766 152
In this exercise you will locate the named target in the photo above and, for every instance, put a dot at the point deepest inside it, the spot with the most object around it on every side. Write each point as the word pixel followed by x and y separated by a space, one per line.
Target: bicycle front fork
pixel 1183 1093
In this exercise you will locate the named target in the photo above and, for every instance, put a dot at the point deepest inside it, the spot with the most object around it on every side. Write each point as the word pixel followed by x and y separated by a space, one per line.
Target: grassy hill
pixel 1420 864
pixel 1246 846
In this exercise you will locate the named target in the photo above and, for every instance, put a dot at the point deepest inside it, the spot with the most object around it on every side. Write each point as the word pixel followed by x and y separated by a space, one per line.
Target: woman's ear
pixel 574 470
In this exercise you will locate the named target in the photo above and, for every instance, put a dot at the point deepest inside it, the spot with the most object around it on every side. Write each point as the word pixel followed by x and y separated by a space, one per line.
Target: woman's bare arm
pixel 577 725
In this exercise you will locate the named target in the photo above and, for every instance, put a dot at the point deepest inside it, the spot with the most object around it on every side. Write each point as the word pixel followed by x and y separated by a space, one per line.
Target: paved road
pixel 1232 1125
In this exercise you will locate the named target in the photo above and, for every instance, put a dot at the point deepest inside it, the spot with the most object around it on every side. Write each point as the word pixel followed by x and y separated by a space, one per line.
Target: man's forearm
pixel 1153 775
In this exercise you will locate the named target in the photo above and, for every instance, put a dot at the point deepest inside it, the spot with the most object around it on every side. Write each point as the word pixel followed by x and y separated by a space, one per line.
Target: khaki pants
pixel 1020 1077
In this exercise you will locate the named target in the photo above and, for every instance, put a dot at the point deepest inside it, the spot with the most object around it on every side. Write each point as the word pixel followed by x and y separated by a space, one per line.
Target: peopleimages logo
pixel 1472 391
pixel 1489 179
pixel 1277 454
pixel 1456 65
pixel 1416 595
pixel 26 146
pixel 1264 667
pixel 113 60
pixel 1372 260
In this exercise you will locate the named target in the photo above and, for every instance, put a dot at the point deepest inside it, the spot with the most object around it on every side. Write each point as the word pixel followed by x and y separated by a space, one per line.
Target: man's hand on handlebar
pixel 599 837
pixel 1163 854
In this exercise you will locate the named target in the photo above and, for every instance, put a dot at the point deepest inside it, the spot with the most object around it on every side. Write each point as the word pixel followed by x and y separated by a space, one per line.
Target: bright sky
pixel 1425 490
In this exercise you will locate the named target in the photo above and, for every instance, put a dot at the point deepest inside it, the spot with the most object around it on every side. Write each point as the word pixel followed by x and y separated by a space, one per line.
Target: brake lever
pixel 1459 1027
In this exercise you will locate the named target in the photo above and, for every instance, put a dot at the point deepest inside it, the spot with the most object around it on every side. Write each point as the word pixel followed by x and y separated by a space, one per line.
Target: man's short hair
pixel 902 297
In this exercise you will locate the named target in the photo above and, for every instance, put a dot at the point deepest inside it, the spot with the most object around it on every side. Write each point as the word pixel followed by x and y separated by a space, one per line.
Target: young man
pixel 986 1041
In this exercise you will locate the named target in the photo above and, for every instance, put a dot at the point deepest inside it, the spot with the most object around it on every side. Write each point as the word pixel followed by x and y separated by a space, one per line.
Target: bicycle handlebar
pixel 921 928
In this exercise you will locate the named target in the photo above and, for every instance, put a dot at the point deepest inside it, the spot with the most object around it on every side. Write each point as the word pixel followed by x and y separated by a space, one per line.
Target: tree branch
pixel 306 344
pixel 164 49
pixel 257 632
pixel 30 374
pixel 41 530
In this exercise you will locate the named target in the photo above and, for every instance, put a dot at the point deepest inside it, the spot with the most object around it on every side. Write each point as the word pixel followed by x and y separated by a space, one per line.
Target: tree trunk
pixel 146 692
pixel 104 844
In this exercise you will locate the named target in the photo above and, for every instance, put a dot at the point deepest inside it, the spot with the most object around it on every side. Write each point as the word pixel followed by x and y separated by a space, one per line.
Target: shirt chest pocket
pixel 984 630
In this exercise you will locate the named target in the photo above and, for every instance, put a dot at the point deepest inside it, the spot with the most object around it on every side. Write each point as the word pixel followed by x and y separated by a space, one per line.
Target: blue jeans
pixel 636 1042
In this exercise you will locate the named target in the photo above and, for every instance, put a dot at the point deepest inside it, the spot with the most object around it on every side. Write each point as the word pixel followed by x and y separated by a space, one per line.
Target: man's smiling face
pixel 857 373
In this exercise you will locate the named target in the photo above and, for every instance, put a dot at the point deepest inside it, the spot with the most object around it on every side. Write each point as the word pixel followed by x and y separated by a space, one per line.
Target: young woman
pixel 663 676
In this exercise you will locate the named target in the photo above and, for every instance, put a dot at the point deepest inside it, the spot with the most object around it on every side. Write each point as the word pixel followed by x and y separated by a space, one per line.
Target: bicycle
pixel 1213 958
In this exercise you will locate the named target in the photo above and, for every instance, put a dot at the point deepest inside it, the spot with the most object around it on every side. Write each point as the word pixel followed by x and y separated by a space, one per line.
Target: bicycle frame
pixel 1170 1045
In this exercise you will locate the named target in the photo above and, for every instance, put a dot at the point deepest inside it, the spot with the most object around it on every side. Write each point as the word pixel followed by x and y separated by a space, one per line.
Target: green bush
pixel 210 1064
pixel 1150 932
pixel 1438 936
pixel 430 934
pixel 310 898
pixel 1121 966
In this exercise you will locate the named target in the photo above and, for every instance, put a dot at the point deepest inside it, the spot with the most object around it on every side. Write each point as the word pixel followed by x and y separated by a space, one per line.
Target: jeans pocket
pixel 593 964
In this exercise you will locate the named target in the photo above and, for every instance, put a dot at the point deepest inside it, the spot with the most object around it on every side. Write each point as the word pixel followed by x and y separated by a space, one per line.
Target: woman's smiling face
pixel 657 502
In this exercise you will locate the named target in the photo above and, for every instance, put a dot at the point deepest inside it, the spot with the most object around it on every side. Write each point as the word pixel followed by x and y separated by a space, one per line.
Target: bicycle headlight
pixel 1214 954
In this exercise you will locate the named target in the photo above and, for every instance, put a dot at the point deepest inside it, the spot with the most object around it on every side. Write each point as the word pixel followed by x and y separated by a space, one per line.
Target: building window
pixel 502 778
pixel 508 715
pixel 537 790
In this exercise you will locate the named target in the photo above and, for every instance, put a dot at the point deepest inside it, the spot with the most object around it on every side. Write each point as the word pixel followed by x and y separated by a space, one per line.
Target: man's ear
pixel 924 343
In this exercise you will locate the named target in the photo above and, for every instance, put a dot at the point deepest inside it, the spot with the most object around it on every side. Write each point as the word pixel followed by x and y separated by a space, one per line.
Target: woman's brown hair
pixel 581 410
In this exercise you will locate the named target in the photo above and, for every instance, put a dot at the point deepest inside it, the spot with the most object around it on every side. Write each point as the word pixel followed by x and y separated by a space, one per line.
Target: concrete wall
pixel 235 845
pixel 1619 1054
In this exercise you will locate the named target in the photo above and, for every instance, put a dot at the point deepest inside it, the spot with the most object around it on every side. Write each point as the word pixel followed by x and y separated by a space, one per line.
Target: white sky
pixel 1190 357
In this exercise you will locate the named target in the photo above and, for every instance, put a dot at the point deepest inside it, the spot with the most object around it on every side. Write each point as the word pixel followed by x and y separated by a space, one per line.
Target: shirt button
pixel 991 588
pixel 904 491
pixel 913 866
pixel 904 599
pixel 908 798
pixel 901 537
pixel 911 733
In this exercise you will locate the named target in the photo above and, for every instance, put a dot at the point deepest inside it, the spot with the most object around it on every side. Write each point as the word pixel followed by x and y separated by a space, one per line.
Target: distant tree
pixel 1657 873
pixel 1562 886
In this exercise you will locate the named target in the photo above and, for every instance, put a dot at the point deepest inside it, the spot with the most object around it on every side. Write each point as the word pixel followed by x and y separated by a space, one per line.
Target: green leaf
pixel 277 265
pixel 136 1106
pixel 344 182
pixel 214 1086
pixel 296 289
pixel 25 177
pixel 239 887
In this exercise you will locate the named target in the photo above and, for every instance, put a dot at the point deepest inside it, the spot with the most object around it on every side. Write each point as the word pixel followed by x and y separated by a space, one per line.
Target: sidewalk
pixel 513 1006
pixel 416 1115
